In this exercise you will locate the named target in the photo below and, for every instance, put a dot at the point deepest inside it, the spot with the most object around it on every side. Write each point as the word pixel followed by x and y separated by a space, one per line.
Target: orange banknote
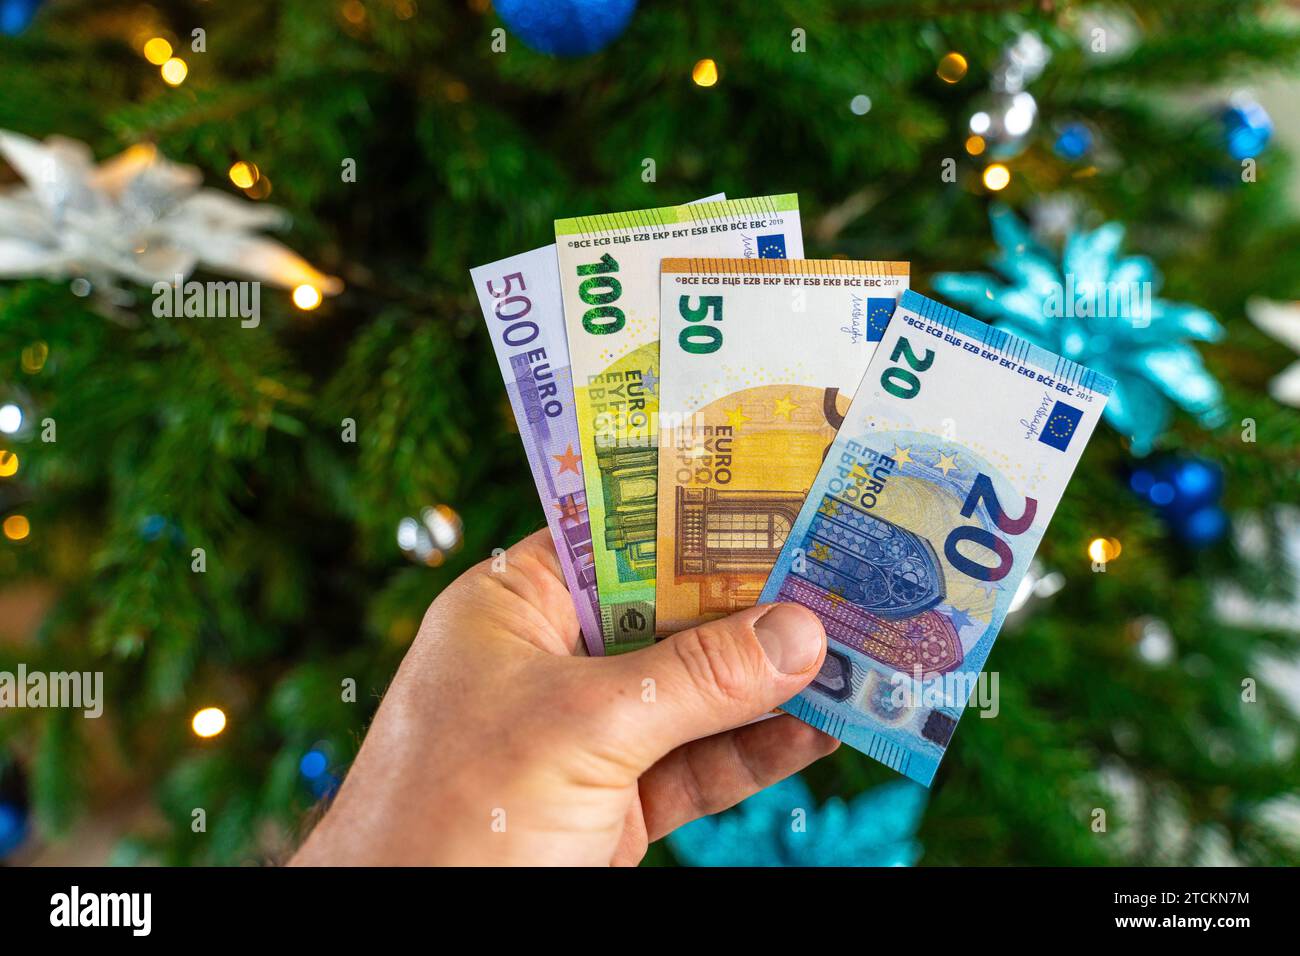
pixel 758 361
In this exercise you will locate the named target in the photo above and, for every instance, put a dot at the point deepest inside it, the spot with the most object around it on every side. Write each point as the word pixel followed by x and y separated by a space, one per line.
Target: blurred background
pixel 241 527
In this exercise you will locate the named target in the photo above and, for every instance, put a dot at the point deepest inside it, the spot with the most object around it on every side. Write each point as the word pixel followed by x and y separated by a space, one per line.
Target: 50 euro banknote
pixel 759 359
pixel 922 520
pixel 609 274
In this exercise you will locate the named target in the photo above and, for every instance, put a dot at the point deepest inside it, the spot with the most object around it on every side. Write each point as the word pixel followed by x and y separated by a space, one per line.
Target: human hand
pixel 495 745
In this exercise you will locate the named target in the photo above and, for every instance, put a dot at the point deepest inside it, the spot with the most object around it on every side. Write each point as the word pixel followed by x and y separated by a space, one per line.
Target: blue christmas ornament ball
pixel 313 764
pixel 13 827
pixel 1185 493
pixel 16 14
pixel 1074 141
pixel 566 27
pixel 1247 128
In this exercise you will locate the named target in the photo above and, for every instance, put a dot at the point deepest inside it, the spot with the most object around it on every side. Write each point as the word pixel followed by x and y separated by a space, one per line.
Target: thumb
pixel 713 677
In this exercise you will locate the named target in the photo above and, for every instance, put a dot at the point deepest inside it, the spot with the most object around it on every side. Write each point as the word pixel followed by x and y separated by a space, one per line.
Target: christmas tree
pixel 240 523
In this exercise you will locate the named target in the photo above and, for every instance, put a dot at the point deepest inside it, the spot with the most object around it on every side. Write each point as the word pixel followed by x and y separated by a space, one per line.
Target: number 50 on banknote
pixel 922 520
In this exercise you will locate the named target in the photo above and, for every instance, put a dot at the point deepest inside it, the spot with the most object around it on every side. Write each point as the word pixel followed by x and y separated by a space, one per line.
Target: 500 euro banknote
pixel 922 520
pixel 520 299
pixel 760 358
pixel 609 274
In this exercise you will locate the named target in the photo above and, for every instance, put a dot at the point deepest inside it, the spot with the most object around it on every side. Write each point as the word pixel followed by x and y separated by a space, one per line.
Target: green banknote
pixel 609 277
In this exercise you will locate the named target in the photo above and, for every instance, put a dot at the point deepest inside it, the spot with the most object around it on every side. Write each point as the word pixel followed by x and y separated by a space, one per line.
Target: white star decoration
pixel 136 217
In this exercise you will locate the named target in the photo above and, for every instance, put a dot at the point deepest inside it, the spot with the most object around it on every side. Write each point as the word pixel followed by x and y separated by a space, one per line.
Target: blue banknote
pixel 922 520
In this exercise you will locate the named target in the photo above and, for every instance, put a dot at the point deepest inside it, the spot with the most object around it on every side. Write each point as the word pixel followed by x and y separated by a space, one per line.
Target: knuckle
pixel 716 663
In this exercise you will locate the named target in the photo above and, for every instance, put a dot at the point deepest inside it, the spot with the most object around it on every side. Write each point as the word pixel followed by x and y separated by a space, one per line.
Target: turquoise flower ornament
pixel 1099 308
pixel 784 826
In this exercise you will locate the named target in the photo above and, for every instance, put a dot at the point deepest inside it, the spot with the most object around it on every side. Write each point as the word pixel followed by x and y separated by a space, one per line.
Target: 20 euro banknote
pixel 759 359
pixel 609 274
pixel 935 494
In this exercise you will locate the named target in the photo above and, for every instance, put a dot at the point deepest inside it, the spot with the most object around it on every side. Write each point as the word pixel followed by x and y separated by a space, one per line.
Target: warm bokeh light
pixel 1103 550
pixel 306 297
pixel 209 722
pixel 17 527
pixel 8 463
pixel 996 177
pixel 705 73
pixel 34 357
pixel 354 11
pixel 174 71
pixel 952 68
pixel 11 418
pixel 157 51
pixel 244 174
pixel 260 189
pixel 975 145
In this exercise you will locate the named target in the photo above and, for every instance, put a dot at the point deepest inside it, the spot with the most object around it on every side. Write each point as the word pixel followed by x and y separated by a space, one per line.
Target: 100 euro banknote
pixel 759 359
pixel 609 274
pixel 922 520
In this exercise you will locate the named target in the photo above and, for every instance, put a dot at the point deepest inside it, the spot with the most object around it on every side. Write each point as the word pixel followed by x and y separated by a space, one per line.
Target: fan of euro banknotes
pixel 713 421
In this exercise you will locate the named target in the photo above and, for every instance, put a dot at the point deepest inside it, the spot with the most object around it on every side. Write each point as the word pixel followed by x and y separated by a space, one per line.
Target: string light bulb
pixel 174 71
pixel 975 144
pixel 8 463
pixel 306 297
pixel 952 68
pixel 705 72
pixel 157 51
pixel 260 189
pixel 996 177
pixel 11 418
pixel 34 357
pixel 17 527
pixel 209 722
pixel 244 174
pixel 354 11
pixel 1104 550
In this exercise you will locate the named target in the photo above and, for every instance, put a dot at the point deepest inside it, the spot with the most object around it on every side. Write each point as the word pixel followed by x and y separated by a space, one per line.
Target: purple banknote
pixel 520 298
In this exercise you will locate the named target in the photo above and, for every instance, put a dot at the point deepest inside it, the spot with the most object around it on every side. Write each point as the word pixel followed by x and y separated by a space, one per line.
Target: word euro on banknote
pixel 955 452
pixel 520 300
pixel 760 358
pixel 609 274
